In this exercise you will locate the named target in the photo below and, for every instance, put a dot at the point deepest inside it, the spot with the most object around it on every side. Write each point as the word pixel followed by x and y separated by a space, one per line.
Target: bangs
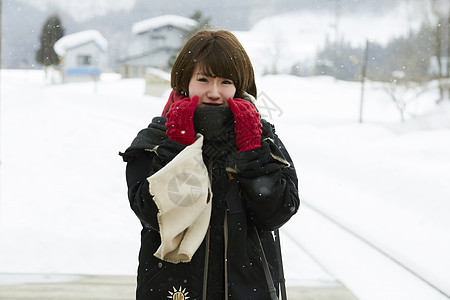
pixel 215 63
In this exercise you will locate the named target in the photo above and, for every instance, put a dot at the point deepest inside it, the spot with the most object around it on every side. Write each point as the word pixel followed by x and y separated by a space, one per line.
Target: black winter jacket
pixel 251 189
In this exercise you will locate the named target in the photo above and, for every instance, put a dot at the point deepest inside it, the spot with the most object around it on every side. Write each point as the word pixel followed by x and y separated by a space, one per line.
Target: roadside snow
pixel 63 203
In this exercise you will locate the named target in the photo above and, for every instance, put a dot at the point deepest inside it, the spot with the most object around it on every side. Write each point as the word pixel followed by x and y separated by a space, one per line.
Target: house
pixel 83 55
pixel 156 42
pixel 157 81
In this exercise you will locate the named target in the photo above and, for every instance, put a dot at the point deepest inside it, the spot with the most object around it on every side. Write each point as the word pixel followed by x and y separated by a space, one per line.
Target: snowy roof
pixel 80 38
pixel 174 20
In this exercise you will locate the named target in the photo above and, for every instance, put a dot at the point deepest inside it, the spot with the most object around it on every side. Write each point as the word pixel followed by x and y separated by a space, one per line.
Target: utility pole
pixel 336 38
pixel 363 79
pixel 447 75
pixel 1 36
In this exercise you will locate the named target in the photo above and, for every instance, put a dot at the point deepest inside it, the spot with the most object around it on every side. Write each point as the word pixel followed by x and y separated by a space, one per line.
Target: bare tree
pixel 403 92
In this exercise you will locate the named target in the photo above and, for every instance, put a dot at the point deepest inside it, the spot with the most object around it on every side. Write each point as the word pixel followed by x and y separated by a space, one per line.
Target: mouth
pixel 212 104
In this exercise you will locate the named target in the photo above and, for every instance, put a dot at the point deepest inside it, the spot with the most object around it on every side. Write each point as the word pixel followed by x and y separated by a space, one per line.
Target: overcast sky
pixel 82 10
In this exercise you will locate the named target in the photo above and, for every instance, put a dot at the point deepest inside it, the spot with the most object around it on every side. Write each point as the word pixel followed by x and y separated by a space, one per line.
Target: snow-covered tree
pixel 203 23
pixel 52 30
pixel 439 11
pixel 436 15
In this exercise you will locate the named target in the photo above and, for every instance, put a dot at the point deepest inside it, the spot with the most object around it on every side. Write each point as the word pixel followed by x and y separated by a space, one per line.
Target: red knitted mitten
pixel 247 124
pixel 180 125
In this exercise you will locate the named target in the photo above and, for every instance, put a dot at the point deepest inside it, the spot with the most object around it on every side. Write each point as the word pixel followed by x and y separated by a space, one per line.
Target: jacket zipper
pixel 225 239
pixel 206 263
pixel 225 236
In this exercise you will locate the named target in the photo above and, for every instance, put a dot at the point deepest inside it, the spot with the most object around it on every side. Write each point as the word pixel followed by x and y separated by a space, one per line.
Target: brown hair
pixel 218 54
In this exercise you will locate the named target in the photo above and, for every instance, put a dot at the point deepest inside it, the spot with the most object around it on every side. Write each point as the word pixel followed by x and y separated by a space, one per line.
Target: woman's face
pixel 213 91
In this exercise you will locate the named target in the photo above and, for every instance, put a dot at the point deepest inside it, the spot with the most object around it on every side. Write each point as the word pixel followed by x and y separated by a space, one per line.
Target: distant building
pixel 83 55
pixel 156 43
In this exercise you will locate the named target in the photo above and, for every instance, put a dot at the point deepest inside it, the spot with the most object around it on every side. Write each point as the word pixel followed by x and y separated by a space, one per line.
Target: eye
pixel 202 79
pixel 226 81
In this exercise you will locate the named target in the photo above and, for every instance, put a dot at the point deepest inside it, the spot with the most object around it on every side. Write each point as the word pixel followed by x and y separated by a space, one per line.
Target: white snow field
pixel 64 208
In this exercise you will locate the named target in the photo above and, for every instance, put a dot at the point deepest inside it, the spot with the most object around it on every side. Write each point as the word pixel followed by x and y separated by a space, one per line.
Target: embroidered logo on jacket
pixel 179 294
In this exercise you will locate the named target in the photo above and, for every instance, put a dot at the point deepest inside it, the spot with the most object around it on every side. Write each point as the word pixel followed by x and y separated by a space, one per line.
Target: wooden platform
pixel 102 287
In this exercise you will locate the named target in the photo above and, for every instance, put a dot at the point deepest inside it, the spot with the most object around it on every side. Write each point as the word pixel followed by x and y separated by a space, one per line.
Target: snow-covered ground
pixel 64 209
pixel 385 180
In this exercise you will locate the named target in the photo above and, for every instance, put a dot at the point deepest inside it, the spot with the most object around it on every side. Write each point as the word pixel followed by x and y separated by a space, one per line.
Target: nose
pixel 214 91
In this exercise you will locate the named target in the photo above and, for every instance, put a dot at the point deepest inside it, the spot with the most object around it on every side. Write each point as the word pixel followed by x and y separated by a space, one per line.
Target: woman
pixel 209 180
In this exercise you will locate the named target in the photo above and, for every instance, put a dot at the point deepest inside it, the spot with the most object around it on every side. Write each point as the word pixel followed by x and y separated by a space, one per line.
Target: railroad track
pixel 365 268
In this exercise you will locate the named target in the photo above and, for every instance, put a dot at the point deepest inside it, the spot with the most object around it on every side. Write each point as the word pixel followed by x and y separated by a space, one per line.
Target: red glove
pixel 247 124
pixel 180 121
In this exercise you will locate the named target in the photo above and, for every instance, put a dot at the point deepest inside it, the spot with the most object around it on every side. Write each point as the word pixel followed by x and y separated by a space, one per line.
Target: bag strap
pixel 272 290
pixel 280 261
